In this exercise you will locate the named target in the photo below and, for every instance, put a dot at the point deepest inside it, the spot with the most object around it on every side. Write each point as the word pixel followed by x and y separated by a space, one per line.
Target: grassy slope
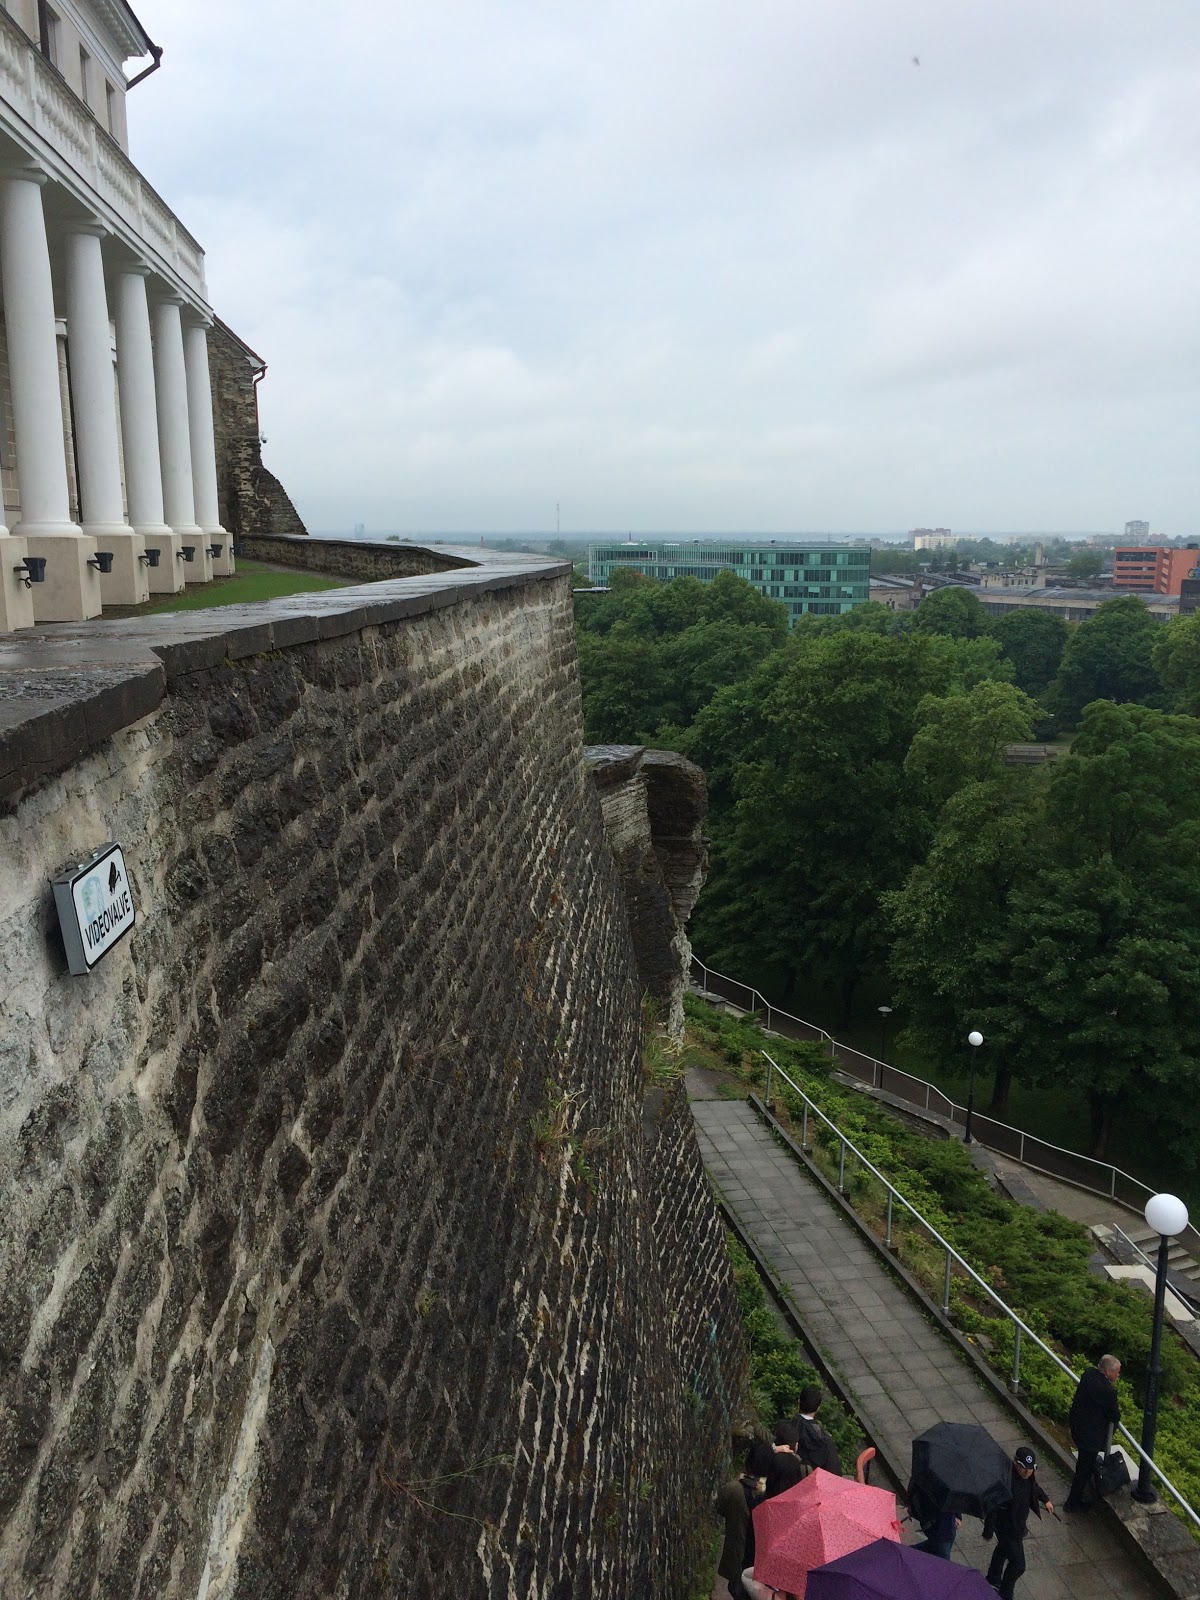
pixel 253 580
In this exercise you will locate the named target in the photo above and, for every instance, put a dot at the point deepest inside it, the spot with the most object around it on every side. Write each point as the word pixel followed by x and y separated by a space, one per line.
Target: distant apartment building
pixel 1137 530
pixel 822 580
pixel 1149 569
pixel 932 539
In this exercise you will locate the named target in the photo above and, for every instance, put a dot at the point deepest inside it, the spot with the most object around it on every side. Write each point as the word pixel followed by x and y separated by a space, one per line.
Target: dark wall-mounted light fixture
pixel 32 570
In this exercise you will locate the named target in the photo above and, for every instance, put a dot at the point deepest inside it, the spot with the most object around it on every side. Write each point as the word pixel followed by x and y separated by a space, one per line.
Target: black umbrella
pixel 958 1466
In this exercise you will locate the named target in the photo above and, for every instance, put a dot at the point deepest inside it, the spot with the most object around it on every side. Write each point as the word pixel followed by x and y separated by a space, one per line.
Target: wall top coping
pixel 65 687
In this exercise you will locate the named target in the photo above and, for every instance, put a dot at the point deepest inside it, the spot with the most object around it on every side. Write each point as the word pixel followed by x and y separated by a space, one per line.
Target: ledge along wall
pixel 342 1252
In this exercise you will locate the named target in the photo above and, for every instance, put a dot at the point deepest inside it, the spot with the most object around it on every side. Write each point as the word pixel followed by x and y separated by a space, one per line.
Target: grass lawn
pixel 253 580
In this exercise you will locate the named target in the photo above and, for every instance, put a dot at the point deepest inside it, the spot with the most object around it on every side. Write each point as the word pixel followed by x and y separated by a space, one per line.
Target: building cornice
pixel 126 28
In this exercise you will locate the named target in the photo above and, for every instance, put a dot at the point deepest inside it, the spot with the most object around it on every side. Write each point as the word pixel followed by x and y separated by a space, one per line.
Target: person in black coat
pixel 1010 1523
pixel 814 1446
pixel 1094 1410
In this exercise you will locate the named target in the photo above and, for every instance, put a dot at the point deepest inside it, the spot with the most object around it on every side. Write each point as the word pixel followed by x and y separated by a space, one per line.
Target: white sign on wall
pixel 94 900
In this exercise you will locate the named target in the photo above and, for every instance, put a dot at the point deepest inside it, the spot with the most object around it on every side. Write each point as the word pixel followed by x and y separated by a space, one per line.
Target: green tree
pixel 651 654
pixel 1108 657
pixel 1061 910
pixel 813 814
pixel 896 561
pixel 1086 564
pixel 950 955
pixel 1033 640
pixel 951 610
pixel 1176 658
pixel 961 738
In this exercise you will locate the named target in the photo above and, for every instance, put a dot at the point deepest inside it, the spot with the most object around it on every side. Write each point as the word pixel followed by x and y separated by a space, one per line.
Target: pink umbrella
pixel 817 1520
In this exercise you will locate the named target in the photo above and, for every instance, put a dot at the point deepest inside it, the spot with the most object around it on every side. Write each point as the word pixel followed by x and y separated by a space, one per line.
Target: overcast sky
pixel 686 265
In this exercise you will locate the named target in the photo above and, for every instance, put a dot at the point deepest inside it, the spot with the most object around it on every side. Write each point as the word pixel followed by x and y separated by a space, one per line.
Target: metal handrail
pixel 1020 1329
pixel 932 1092
pixel 1190 1296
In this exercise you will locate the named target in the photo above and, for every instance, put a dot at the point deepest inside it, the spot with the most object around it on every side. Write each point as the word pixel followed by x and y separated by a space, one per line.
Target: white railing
pixel 1083 1172
pixel 1021 1330
pixel 41 97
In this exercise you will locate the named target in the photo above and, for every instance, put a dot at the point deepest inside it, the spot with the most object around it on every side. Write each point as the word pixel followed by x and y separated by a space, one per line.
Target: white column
pixel 174 437
pixel 97 459
pixel 71 590
pixel 139 430
pixel 204 446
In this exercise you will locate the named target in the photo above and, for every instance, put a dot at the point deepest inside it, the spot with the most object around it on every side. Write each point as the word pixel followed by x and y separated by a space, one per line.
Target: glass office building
pixel 822 579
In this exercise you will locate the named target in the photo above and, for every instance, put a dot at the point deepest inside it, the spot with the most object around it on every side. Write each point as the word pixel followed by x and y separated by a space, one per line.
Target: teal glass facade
pixel 822 579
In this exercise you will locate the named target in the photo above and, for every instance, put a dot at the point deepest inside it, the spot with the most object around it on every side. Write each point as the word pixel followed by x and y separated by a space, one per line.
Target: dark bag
pixel 1111 1472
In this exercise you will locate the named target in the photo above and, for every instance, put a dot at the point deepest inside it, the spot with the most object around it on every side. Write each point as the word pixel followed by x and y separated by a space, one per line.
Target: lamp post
pixel 974 1039
pixel 884 1013
pixel 1167 1216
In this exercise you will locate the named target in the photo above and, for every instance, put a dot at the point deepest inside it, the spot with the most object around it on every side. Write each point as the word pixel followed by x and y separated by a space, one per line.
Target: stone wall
pixel 343 1253
pixel 654 804
pixel 351 558
pixel 250 498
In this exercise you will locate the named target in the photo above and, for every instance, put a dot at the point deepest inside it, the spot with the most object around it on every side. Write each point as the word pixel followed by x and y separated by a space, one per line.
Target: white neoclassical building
pixel 106 425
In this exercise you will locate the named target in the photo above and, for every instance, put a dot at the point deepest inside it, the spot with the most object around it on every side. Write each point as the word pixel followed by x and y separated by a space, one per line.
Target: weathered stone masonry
pixel 340 1254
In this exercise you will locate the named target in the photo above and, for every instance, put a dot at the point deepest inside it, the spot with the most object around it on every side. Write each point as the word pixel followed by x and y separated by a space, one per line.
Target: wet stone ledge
pixel 66 687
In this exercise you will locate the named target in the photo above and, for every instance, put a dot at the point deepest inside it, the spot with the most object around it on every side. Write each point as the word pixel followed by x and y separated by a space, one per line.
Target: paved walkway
pixel 901 1371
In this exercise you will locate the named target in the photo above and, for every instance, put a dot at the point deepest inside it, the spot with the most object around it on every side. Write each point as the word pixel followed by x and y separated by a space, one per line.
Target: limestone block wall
pixel 351 558
pixel 250 498
pixel 342 1253
pixel 654 804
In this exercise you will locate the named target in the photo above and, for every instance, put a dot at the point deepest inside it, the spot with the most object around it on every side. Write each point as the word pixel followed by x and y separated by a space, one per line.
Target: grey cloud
pixel 697 265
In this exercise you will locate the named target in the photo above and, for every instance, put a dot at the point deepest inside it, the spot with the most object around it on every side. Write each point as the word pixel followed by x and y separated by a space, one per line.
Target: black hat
pixel 1025 1457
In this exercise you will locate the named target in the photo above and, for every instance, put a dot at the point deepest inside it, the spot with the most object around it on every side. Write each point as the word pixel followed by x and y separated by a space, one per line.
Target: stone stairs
pixel 1180 1262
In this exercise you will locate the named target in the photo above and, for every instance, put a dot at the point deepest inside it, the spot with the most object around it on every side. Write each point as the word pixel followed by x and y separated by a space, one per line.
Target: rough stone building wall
pixel 341 1255
pixel 351 558
pixel 250 498
pixel 654 804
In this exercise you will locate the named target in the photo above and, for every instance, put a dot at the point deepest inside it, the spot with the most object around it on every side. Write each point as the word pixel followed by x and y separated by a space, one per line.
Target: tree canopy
pixel 1176 658
pixel 1033 640
pixel 815 808
pixel 652 654
pixel 951 610
pixel 1059 912
pixel 1108 657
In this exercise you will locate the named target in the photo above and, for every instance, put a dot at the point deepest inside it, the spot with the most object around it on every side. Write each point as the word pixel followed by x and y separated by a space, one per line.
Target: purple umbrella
pixel 886 1571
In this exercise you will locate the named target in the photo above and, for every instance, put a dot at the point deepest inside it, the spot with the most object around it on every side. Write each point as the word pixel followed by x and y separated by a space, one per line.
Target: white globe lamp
pixel 1166 1214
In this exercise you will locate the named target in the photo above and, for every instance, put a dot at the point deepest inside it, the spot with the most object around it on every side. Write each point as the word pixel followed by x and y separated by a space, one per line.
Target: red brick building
pixel 1150 569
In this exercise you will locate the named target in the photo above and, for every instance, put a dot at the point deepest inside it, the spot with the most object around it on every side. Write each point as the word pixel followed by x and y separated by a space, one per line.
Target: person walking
pixel 1095 1410
pixel 786 1469
pixel 813 1445
pixel 735 1501
pixel 1010 1523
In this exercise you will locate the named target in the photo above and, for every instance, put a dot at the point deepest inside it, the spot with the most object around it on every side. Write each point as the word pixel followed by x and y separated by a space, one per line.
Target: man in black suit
pixel 1094 1410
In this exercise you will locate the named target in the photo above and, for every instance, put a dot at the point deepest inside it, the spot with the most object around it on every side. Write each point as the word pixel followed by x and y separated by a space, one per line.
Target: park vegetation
pixel 1037 1262
pixel 865 827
